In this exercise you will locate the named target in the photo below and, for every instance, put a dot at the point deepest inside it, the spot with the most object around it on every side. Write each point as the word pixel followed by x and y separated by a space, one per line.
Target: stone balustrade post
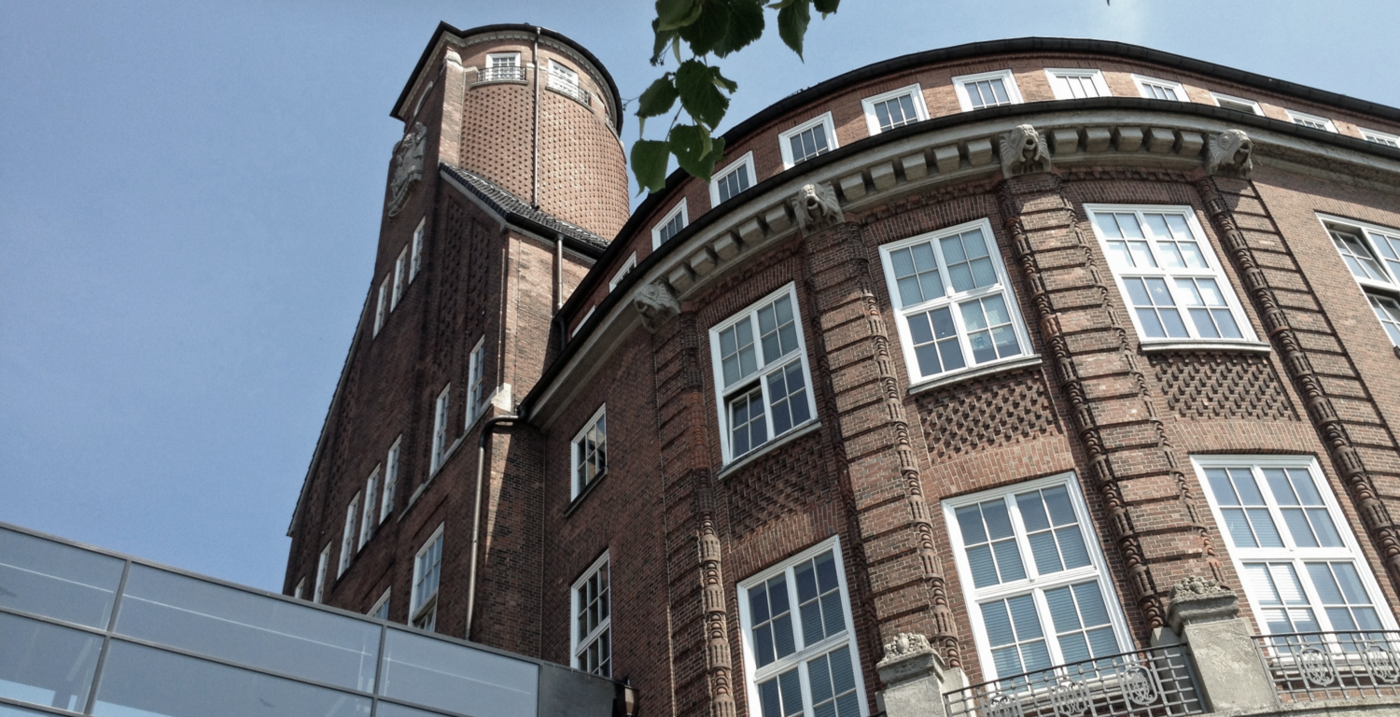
pixel 1230 675
pixel 915 678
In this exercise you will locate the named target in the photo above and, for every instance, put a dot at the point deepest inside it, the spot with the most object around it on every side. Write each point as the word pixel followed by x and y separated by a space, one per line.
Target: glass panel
pixel 46 664
pixel 458 678
pixel 12 711
pixel 389 709
pixel 56 580
pixel 139 680
pixel 238 626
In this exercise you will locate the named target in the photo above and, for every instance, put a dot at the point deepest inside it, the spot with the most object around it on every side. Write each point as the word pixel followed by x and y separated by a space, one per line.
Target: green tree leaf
pixel 723 82
pixel 674 14
pixel 657 100
pixel 696 151
pixel 649 160
pixel 709 29
pixel 699 96
pixel 792 24
pixel 826 7
pixel 663 39
pixel 745 26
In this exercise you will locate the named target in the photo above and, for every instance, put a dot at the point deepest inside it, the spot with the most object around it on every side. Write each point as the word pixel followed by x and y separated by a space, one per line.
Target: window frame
pixel 400 265
pixel 742 386
pixel 368 521
pixel 323 569
pixel 1003 287
pixel 379 311
pixel 753 675
pixel 576 452
pixel 416 262
pixel 1214 270
pixel 785 143
pixel 392 463
pixel 442 414
pixel 1033 584
pixel 872 119
pixel 1371 289
pixel 347 540
pixel 1328 125
pixel 656 229
pixel 1008 78
pixel 1056 76
pixel 742 164
pixel 621 273
pixel 1251 104
pixel 381 604
pixel 1350 549
pixel 300 589
pixel 1385 139
pixel 476 382
pixel 579 644
pixel 420 606
pixel 1143 81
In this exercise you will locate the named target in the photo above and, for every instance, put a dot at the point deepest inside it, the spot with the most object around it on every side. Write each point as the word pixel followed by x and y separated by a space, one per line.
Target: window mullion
pixel 1023 541
pixel 1290 548
pixel 1314 599
pixel 804 680
pixel 1047 626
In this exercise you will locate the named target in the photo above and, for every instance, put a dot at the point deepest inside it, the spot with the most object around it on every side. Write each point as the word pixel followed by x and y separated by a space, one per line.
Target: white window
pixel 807 140
pixel 800 654
pixel 300 588
pixel 953 300
pixel 561 77
pixel 670 225
pixel 1372 253
pixel 1155 89
pixel 381 606
pixel 400 266
pixel 1239 104
pixel 417 260
pixel 761 376
pixel 367 521
pixel 391 479
pixel 322 566
pixel 1034 578
pixel 347 539
pixel 1075 84
pixel 476 382
pixel 380 306
pixel 627 266
pixel 1298 560
pixel 1388 140
pixel 988 89
pixel 1170 277
pixel 590 451
pixel 592 624
pixel 503 67
pixel 1306 120
pixel 895 108
pixel 440 428
pixel 427 570
pixel 731 180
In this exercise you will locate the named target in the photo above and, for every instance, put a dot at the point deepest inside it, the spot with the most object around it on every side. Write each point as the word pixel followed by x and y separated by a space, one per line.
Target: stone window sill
pixel 578 499
pixel 942 381
pixel 1258 347
pixel 782 440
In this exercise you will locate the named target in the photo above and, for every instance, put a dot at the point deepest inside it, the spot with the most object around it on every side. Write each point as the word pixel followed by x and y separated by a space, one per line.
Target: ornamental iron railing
pixel 501 73
pixel 570 89
pixel 1155 682
pixel 1309 666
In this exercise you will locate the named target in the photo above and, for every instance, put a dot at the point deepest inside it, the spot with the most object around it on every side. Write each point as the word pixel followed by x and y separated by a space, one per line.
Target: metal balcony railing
pixel 1309 666
pixel 1155 682
pixel 571 89
pixel 503 73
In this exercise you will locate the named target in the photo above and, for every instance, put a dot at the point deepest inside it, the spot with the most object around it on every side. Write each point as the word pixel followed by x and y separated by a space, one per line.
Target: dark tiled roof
pixel 508 204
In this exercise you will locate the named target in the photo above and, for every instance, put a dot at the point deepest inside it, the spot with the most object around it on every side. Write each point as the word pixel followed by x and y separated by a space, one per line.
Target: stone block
pixel 915 166
pixel 1160 140
pixel 1127 139
pixel 853 186
pixel 1064 141
pixel 979 152
pixel 726 247
pixel 778 219
pixel 882 176
pixel 1097 139
pixel 946 158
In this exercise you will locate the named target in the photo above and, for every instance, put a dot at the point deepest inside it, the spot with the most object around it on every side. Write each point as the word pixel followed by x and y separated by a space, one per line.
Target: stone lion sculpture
pixel 1230 153
pixel 816 207
pixel 1023 151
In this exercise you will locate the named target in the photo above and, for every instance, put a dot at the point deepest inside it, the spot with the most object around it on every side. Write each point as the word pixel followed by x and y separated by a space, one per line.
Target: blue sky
pixel 190 196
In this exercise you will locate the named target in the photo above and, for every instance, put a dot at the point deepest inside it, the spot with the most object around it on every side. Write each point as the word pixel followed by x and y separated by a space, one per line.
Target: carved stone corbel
pixel 657 305
pixel 1230 154
pixel 816 208
pixel 1024 151
pixel 408 166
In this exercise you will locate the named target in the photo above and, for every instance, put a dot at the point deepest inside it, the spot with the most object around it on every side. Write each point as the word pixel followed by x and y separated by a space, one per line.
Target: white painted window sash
pixel 322 568
pixel 743 164
pixel 785 139
pixel 417 260
pixel 664 227
pixel 581 643
pixel 367 521
pixel 870 107
pixel 440 414
pixel 1062 81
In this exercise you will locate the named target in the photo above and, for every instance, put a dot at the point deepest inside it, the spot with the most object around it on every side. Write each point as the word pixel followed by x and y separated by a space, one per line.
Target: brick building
pixel 969 364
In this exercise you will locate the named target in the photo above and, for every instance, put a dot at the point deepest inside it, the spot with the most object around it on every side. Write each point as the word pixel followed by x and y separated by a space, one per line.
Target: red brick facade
pixel 682 529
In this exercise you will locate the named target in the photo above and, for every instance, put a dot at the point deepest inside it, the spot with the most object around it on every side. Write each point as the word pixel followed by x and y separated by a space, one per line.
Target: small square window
pixel 440 428
pixel 627 267
pixel 1169 275
pixel 670 225
pixel 1372 255
pixel 810 139
pixel 381 607
pixel 763 384
pixel 1304 119
pixel 1388 140
pixel 988 89
pixel 590 451
pixel 391 479
pixel 476 382
pixel 592 623
pixel 1155 89
pixel 400 280
pixel 322 567
pixel 1076 84
pixel 1238 104
pixel 417 261
pixel 502 67
pixel 896 108
pixel 731 180
pixel 380 306
pixel 427 573
pixel 347 541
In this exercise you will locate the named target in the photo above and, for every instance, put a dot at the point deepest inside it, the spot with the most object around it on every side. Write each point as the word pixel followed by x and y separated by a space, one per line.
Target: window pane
pixel 55 580
pixel 46 664
pixel 453 677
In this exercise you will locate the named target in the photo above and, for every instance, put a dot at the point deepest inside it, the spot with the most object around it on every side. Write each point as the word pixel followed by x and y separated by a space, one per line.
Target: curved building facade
pixel 1027 377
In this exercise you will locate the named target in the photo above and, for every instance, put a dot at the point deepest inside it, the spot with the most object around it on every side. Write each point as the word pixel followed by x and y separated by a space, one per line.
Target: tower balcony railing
pixel 1312 666
pixel 571 90
pixel 1155 682
pixel 501 73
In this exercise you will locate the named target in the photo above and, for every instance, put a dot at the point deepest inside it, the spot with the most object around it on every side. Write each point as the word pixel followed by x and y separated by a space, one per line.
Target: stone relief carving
pixel 905 644
pixel 1023 151
pixel 408 166
pixel 657 304
pixel 1194 587
pixel 1230 153
pixel 816 207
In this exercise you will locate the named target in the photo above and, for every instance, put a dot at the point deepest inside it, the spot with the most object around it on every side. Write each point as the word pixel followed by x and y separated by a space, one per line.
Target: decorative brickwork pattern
pixel 1222 385
pixel 778 483
pixel 995 410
